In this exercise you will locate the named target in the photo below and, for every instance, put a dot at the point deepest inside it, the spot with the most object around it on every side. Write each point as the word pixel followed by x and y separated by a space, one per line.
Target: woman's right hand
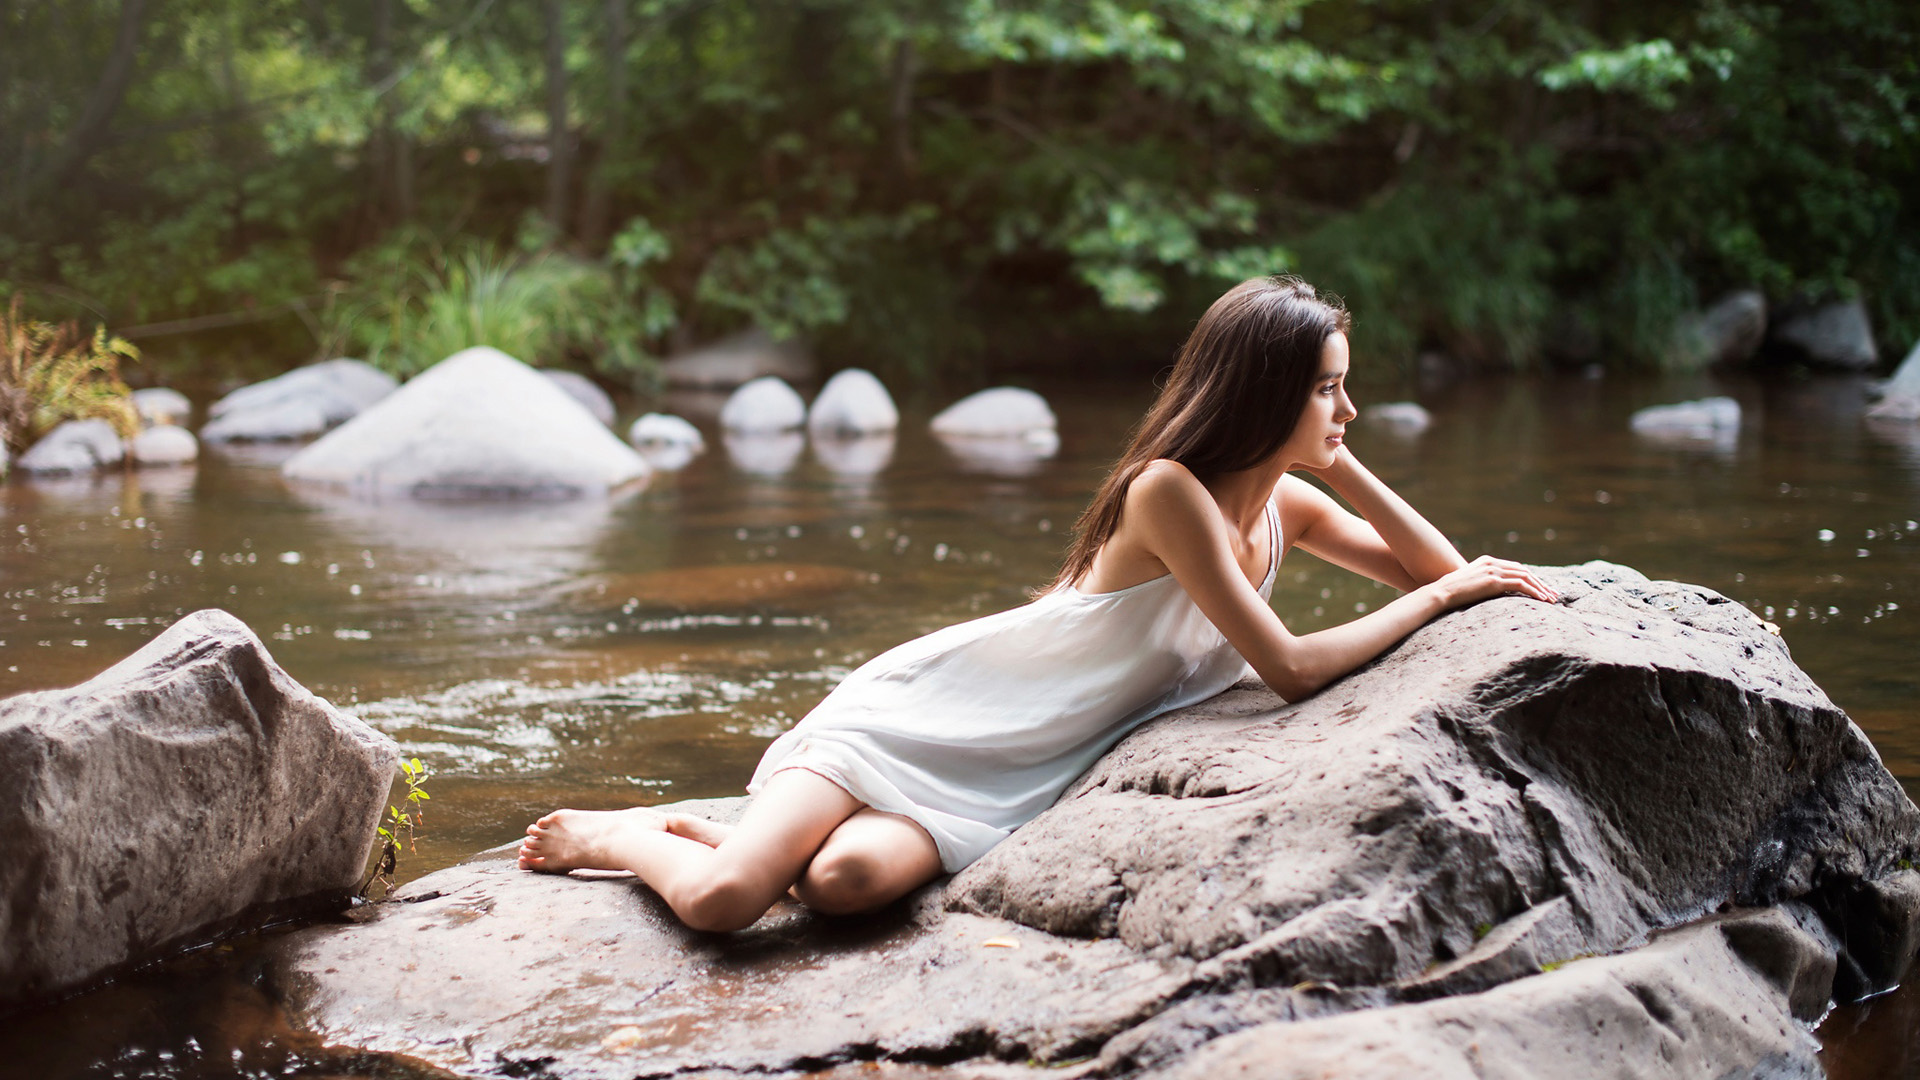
pixel 1487 577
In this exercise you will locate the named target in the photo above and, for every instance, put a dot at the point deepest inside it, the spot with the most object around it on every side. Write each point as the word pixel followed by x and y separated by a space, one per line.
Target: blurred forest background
pixel 937 188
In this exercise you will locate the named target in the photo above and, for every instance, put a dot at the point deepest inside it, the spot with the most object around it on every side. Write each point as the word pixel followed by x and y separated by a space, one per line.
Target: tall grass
pixel 409 311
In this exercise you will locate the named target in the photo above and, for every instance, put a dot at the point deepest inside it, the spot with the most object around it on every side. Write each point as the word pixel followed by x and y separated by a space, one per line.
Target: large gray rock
pixel 478 424
pixel 1837 335
pixel 1725 997
pixel 737 360
pixel 1646 750
pixel 298 405
pixel 76 446
pixel 1514 786
pixel 1729 332
pixel 176 792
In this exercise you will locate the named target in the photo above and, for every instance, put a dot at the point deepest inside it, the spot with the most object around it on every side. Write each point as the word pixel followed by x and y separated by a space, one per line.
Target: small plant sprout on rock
pixel 399 823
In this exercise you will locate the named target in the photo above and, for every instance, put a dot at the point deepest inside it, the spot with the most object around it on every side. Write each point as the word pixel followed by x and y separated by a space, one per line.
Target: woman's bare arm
pixel 1389 542
pixel 1175 518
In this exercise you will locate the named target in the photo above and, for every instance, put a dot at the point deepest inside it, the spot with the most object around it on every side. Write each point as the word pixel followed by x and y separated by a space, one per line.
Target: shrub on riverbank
pixel 50 373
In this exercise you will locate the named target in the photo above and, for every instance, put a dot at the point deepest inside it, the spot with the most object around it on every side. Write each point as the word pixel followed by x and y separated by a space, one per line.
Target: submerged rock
pixel 298 405
pixel 586 392
pixel 737 360
pixel 1708 418
pixel 478 424
pixel 853 403
pixel 170 795
pixel 1399 417
pixel 1515 785
pixel 76 446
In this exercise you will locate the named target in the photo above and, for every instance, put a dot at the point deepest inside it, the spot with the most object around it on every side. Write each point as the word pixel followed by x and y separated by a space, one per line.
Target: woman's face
pixel 1322 426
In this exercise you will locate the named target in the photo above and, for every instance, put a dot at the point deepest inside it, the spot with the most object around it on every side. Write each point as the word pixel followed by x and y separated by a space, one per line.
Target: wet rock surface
pixel 175 792
pixel 1374 878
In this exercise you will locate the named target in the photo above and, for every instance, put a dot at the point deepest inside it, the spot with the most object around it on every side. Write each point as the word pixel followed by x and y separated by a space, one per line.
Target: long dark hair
pixel 1237 389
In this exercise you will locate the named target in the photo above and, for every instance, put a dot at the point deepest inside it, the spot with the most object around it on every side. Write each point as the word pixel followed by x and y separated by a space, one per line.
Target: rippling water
pixel 647 649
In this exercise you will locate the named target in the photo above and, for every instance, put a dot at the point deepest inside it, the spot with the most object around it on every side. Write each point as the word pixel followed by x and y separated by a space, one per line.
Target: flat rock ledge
pixel 1624 835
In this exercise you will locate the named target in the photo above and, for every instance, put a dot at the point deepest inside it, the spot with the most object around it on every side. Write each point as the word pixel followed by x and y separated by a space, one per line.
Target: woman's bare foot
pixel 707 832
pixel 582 839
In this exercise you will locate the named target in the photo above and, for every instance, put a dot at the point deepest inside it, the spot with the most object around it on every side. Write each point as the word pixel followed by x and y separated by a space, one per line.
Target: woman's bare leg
pixel 870 860
pixel 710 888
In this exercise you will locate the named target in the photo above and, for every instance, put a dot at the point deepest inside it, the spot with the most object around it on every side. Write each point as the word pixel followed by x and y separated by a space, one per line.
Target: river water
pixel 646 649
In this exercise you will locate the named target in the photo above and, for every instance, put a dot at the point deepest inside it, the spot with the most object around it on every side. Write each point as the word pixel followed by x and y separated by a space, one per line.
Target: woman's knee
pixel 721 903
pixel 846 881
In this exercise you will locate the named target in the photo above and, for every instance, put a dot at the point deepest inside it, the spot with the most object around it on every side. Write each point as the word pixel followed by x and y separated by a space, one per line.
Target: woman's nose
pixel 1347 412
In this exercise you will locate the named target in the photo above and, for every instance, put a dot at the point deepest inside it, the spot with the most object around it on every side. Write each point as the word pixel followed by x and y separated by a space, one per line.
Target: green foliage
pixel 920 186
pixel 408 309
pixel 51 373
pixel 397 828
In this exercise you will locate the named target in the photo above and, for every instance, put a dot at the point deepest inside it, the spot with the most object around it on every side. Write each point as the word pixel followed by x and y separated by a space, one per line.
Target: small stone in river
pixel 1402 417
pixel 1707 418
pixel 852 403
pixel 662 429
pixel 164 445
pixel 161 405
pixel 995 412
pixel 764 405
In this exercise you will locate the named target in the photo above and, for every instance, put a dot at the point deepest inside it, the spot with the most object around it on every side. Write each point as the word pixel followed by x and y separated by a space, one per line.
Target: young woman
pixel 935 750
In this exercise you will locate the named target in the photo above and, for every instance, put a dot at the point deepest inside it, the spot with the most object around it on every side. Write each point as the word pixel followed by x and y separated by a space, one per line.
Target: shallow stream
pixel 646 650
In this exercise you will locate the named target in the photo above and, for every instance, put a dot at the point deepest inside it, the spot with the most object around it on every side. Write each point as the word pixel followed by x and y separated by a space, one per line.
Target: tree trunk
pixel 613 138
pixel 389 158
pixel 906 63
pixel 559 151
pixel 91 130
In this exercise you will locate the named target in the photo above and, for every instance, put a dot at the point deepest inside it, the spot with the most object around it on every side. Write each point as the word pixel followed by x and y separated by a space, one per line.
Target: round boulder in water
pixel 164 445
pixel 766 404
pixel 77 446
pixel 667 442
pixel 853 403
pixel 996 412
pixel 302 403
pixel 478 424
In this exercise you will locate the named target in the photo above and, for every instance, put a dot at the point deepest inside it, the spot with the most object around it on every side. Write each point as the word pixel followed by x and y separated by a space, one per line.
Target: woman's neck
pixel 1243 495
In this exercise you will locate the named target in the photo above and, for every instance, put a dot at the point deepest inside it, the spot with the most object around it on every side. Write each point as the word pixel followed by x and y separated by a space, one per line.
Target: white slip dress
pixel 973 730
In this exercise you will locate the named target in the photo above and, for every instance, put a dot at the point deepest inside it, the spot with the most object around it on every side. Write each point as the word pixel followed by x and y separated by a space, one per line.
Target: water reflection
pixel 1009 455
pixel 768 454
pixel 854 455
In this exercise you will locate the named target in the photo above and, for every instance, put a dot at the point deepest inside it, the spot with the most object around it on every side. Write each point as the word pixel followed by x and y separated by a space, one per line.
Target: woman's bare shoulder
pixel 1162 478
